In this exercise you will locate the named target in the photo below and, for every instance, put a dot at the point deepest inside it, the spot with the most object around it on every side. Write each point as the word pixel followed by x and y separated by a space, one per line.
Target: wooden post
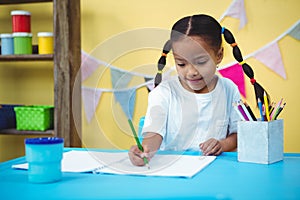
pixel 67 61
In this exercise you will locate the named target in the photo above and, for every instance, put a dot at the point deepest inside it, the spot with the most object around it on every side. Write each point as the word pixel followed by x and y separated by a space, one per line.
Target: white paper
pixel 119 163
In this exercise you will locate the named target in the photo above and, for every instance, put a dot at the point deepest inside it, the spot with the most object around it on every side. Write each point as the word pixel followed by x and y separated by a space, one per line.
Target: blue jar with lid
pixel 7 44
pixel 44 156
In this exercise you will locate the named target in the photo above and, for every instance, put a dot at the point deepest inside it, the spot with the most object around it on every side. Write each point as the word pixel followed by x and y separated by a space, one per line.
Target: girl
pixel 194 110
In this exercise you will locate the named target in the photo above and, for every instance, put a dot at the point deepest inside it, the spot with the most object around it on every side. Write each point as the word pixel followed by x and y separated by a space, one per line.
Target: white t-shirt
pixel 185 119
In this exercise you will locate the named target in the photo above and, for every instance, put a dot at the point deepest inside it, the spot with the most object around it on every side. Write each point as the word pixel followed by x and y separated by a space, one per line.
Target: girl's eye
pixel 181 64
pixel 201 62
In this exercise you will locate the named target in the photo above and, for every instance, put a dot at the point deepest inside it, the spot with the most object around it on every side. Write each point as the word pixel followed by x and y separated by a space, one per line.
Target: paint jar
pixel 44 157
pixel 20 21
pixel 45 41
pixel 22 43
pixel 7 44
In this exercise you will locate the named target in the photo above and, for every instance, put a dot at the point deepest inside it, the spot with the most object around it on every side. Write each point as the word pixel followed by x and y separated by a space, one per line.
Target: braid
pixel 258 89
pixel 161 63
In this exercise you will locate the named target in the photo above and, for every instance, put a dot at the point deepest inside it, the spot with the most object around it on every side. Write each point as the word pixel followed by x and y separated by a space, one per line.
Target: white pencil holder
pixel 260 141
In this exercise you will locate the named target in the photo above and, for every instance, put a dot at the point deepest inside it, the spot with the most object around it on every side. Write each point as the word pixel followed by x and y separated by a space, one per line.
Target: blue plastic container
pixel 7 44
pixel 44 156
pixel 7 116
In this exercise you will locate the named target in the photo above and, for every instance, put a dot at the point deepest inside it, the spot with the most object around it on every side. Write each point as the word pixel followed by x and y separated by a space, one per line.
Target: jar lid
pixel 22 34
pixel 6 35
pixel 44 140
pixel 20 12
pixel 45 34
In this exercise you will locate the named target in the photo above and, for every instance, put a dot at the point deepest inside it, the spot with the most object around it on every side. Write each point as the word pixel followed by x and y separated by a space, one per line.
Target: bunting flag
pixel 271 57
pixel 236 10
pixel 150 85
pixel 88 65
pixel 236 74
pixel 295 31
pixel 126 98
pixel 90 97
pixel 120 79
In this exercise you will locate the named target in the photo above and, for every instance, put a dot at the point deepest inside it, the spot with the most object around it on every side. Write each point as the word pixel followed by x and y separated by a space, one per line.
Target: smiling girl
pixel 194 110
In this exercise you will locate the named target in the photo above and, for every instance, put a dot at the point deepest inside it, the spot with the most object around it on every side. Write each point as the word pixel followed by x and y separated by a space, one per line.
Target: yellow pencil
pixel 266 106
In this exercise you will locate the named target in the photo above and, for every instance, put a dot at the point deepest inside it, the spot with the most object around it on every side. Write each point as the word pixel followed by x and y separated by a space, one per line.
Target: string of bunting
pixel 269 55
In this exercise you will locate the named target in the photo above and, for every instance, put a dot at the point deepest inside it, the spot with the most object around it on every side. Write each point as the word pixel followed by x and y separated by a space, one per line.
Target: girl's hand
pixel 211 147
pixel 136 155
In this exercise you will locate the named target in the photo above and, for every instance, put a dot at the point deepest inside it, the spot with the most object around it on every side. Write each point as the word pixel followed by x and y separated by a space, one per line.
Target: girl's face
pixel 196 63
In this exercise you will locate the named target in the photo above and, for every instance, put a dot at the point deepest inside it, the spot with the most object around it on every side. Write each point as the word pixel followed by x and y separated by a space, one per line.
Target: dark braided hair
pixel 162 62
pixel 211 31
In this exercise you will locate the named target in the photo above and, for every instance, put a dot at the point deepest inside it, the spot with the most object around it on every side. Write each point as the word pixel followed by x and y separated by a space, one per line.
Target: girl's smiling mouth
pixel 195 80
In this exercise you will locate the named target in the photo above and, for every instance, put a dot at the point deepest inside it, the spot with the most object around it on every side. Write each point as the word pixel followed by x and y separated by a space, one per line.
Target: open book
pixel 119 163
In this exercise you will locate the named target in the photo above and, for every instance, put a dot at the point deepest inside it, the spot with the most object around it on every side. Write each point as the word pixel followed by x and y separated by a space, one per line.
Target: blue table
pixel 225 178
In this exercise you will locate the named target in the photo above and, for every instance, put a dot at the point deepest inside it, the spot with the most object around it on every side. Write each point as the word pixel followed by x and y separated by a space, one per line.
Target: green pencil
pixel 138 143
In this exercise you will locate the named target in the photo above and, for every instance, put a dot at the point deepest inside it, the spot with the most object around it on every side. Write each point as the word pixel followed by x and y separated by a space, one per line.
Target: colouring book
pixel 169 165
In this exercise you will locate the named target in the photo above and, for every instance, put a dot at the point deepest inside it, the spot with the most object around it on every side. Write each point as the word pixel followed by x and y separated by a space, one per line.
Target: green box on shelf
pixel 34 118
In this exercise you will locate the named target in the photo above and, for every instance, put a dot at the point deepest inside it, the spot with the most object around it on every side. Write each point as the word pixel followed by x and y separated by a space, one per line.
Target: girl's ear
pixel 220 55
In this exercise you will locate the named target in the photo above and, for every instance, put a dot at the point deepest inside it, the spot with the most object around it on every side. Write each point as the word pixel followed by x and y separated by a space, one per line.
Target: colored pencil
pixel 138 143
pixel 275 110
pixel 266 106
pixel 246 111
pixel 279 111
pixel 260 109
pixel 250 111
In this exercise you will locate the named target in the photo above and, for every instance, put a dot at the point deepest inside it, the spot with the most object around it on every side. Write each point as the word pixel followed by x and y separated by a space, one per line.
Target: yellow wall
pixel 103 21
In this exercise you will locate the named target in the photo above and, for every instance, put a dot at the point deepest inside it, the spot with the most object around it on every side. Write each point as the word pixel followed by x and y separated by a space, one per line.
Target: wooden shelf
pixel 16 132
pixel 66 60
pixel 22 1
pixel 29 57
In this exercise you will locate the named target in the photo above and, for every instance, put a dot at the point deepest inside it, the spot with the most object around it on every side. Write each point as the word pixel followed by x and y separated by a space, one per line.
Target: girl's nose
pixel 192 71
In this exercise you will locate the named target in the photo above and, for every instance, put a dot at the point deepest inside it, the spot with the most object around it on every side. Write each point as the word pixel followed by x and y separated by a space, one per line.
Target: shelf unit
pixel 67 78
pixel 32 57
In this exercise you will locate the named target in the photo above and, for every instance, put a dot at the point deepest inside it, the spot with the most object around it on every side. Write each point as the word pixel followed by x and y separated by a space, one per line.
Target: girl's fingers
pixel 135 156
pixel 211 147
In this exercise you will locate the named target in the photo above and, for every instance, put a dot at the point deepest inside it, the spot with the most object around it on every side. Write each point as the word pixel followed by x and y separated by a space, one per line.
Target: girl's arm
pixel 229 143
pixel 151 144
pixel 216 147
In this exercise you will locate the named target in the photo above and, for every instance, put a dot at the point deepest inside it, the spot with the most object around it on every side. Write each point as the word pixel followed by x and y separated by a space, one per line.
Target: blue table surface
pixel 225 178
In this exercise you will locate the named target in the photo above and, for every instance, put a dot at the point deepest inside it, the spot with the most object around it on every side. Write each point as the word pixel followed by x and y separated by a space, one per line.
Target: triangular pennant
pixel 236 74
pixel 90 97
pixel 126 99
pixel 237 10
pixel 88 65
pixel 271 57
pixel 295 32
pixel 149 87
pixel 119 78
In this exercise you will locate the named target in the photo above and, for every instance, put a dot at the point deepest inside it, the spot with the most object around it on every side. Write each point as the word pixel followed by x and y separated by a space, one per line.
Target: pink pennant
pixel 236 74
pixel 237 10
pixel 88 65
pixel 271 57
pixel 90 97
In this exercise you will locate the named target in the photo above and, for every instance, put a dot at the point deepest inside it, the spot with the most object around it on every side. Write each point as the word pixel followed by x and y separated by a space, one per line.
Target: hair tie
pixel 159 71
pixel 241 63
pixel 233 44
pixel 252 80
pixel 223 29
pixel 164 54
